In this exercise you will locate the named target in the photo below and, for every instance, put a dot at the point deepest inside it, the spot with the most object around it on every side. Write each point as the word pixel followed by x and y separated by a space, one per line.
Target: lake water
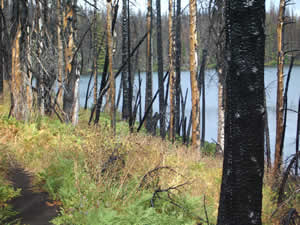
pixel 212 102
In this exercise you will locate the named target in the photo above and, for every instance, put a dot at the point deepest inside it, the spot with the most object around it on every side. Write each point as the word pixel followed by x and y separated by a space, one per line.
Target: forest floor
pixel 33 207
pixel 94 177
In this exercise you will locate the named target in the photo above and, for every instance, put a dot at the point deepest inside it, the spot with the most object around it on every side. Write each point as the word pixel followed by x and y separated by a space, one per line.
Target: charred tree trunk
pixel 112 88
pixel 40 83
pixel 267 133
pixel 297 140
pixel 280 80
pixel 1 55
pixel 243 166
pixel 46 79
pixel 177 66
pixel 285 104
pixel 125 106
pixel 148 95
pixel 160 63
pixel 104 79
pixel 6 51
pixel 130 77
pixel 20 82
pixel 193 73
pixel 95 68
pixel 172 74
pixel 71 94
pixel 202 81
pixel 60 63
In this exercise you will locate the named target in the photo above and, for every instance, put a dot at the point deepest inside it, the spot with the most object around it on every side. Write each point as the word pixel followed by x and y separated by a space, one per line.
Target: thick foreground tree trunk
pixel 243 168
pixel 1 54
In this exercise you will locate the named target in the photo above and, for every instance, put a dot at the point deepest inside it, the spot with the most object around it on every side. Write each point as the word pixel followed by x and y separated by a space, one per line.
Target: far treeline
pixel 47 45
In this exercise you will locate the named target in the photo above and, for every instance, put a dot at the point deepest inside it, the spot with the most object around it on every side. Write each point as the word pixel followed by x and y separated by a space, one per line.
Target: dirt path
pixel 33 208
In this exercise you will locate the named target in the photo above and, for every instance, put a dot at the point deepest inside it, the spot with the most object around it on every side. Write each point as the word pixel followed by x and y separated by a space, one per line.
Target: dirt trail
pixel 33 208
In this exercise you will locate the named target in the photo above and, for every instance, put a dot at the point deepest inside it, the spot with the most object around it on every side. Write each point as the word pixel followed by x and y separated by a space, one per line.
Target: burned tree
pixel 148 96
pixel 160 63
pixel 95 68
pixel 111 76
pixel 280 86
pixel 1 54
pixel 172 74
pixel 125 111
pixel 243 166
pixel 72 75
pixel 20 78
pixel 59 28
pixel 177 65
pixel 193 73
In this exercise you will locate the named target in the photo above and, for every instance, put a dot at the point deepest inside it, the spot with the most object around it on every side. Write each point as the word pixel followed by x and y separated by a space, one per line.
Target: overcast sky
pixel 296 6
pixel 142 4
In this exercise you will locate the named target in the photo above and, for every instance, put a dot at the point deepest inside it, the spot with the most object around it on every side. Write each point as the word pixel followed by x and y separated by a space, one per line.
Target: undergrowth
pixel 98 178
pixel 7 192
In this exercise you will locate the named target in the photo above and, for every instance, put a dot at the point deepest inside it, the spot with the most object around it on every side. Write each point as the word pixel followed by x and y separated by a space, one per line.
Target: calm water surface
pixel 212 102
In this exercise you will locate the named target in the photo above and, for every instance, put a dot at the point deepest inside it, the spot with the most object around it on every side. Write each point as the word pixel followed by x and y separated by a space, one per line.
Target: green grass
pixel 7 192
pixel 99 178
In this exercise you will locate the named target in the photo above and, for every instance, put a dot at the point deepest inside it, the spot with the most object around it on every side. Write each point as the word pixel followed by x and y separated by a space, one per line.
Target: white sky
pixel 142 4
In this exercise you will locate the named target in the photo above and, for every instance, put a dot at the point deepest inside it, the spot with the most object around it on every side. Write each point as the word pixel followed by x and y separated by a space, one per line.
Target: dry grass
pixel 43 142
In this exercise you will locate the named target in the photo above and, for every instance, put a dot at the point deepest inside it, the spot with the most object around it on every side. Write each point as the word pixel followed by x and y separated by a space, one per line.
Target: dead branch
pixel 285 178
pixel 154 172
pixel 292 218
pixel 205 210
pixel 167 190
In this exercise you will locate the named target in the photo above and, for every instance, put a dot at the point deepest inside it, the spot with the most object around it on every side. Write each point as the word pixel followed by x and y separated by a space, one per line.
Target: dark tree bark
pixel 130 77
pixel 267 134
pixel 98 106
pixel 243 167
pixel 125 106
pixel 95 67
pixel 172 72
pixel 183 117
pixel 177 66
pixel 148 95
pixel 202 89
pixel 1 54
pixel 160 63
pixel 147 111
pixel 105 86
pixel 297 139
